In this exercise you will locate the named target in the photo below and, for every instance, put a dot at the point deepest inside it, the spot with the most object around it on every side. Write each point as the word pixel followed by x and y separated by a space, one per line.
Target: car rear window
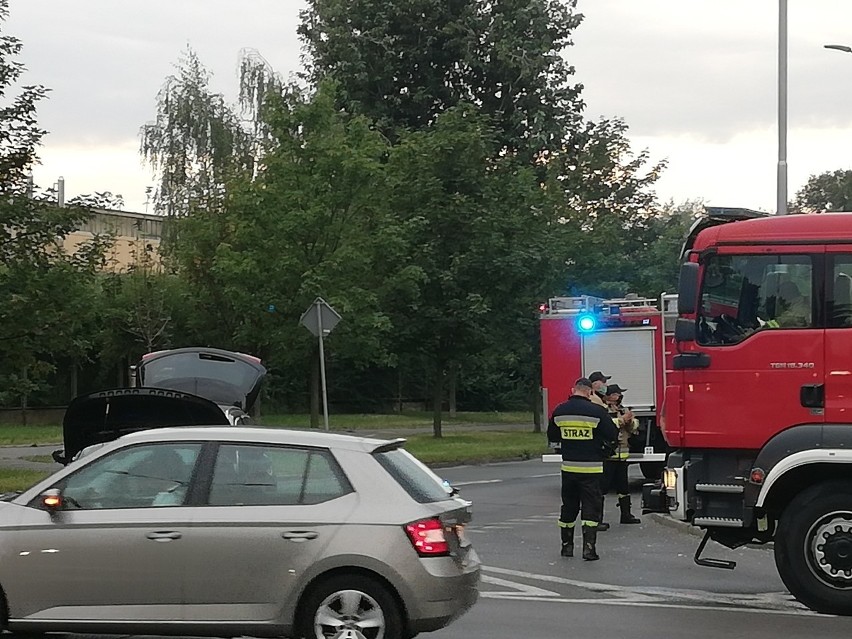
pixel 422 484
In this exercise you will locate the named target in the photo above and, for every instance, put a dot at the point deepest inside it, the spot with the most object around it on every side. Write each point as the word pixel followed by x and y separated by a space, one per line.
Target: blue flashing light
pixel 587 323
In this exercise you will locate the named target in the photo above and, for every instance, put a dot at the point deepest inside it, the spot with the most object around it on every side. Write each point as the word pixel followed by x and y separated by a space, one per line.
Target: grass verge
pixel 476 447
pixel 398 420
pixel 17 435
pixel 12 479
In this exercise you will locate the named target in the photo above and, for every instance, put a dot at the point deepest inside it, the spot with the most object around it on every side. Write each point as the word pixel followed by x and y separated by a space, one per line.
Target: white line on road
pixel 658 596
pixel 517 590
pixel 481 481
pixel 648 604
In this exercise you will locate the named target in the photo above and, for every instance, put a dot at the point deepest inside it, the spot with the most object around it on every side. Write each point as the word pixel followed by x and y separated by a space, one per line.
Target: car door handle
pixel 301 535
pixel 163 536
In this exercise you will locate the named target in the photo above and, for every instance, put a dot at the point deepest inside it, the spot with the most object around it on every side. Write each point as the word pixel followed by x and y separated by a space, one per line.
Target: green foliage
pixel 478 236
pixel 403 63
pixel 47 300
pixel 196 142
pixel 604 192
pixel 829 191
pixel 434 183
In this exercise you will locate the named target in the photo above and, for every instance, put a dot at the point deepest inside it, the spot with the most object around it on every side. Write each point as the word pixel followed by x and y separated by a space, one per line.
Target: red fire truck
pixel 758 400
pixel 628 338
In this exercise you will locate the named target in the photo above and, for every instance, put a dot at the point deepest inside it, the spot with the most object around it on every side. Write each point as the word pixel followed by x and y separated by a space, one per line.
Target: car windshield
pixel 422 484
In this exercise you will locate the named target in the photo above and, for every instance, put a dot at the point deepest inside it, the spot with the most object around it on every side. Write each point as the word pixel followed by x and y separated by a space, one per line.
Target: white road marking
pixel 774 602
pixel 652 604
pixel 481 481
pixel 517 589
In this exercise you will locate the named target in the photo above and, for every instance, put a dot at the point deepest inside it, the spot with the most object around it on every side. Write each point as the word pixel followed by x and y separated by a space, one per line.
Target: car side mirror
pixel 51 500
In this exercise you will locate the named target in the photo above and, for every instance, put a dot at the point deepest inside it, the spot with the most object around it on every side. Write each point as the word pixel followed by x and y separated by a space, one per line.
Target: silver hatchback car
pixel 222 531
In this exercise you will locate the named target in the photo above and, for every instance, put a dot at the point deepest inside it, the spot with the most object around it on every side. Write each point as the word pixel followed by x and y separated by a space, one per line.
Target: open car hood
pixel 103 416
pixel 223 377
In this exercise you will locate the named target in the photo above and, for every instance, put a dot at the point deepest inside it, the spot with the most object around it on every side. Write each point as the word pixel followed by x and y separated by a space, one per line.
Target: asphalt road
pixel 645 585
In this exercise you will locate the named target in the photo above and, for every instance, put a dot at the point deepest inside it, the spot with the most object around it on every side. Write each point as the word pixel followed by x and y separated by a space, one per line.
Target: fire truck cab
pixel 758 399
pixel 628 338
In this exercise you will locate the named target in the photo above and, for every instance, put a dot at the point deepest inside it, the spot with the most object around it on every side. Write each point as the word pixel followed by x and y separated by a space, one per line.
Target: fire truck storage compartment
pixel 628 355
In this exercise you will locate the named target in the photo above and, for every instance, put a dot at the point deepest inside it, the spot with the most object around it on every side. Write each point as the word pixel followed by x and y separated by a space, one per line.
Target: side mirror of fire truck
pixel 687 288
pixel 684 330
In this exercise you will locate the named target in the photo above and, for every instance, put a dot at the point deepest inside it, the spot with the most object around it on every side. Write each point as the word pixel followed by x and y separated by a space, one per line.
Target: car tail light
pixel 427 537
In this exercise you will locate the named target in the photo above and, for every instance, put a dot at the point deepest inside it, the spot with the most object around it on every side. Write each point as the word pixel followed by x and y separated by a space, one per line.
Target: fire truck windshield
pixel 742 294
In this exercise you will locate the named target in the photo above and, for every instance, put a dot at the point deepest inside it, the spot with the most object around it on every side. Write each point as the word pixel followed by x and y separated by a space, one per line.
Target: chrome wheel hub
pixel 349 614
pixel 831 549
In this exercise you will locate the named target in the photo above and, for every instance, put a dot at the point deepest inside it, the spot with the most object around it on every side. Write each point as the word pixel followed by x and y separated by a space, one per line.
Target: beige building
pixel 137 236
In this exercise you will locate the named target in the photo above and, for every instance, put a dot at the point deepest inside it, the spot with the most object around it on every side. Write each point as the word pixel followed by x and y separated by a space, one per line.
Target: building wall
pixel 135 234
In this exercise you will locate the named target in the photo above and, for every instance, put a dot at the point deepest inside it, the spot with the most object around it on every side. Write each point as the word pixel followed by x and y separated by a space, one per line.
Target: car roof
pixel 291 436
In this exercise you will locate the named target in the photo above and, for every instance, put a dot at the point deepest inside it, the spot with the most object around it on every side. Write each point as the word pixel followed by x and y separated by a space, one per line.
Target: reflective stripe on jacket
pixel 582 429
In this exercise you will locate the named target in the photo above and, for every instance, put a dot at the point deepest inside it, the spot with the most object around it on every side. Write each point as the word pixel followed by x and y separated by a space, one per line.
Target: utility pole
pixel 781 204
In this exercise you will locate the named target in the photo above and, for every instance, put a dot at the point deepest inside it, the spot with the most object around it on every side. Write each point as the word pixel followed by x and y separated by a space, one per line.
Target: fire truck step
pixel 718 522
pixel 719 488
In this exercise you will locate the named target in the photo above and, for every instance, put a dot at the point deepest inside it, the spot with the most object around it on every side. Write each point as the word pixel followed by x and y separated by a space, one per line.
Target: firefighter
pixel 587 436
pixel 599 381
pixel 615 468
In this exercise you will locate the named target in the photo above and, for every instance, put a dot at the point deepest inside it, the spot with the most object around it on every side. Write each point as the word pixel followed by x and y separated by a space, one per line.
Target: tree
pixel 478 236
pixel 46 291
pixel 403 63
pixel 312 221
pixel 657 251
pixel 829 191
pixel 607 203
pixel 196 143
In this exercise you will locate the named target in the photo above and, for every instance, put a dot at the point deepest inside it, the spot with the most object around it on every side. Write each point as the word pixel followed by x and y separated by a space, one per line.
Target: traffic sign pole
pixel 312 319
pixel 322 367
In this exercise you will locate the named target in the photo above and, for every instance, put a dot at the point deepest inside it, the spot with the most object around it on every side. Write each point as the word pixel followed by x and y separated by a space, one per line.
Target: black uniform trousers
pixel 615 476
pixel 581 491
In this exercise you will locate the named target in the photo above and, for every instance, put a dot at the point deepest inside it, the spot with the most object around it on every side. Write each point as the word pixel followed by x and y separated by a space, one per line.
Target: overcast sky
pixel 695 80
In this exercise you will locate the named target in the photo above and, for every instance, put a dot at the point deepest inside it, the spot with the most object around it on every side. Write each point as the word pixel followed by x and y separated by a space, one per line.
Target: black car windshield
pixel 422 484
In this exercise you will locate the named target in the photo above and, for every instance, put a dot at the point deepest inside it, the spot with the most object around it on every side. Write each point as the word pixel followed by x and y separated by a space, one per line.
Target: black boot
pixel 590 538
pixel 567 542
pixel 626 516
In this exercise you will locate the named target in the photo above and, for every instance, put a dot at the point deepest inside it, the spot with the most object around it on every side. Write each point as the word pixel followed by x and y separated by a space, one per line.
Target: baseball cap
pixel 583 381
pixel 597 376
pixel 615 388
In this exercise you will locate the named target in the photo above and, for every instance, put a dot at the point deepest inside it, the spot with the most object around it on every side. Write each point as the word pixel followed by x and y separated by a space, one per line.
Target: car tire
pixel 351 599
pixel 818 574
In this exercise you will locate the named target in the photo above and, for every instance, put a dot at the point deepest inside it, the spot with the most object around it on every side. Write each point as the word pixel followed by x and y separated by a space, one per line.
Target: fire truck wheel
pixel 652 470
pixel 813 547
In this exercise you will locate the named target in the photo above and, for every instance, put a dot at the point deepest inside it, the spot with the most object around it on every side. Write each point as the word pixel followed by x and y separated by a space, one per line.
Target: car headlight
pixel 670 478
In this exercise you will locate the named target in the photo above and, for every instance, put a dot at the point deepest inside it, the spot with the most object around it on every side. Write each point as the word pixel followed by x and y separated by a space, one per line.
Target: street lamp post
pixel 781 200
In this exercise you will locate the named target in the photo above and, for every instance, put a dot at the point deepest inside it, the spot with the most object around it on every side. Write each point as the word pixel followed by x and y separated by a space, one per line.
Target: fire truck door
pixel 838 335
pixel 761 351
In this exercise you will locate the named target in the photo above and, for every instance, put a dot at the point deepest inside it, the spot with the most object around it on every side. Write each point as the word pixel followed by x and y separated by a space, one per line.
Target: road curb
pixel 695 531
pixel 683 526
